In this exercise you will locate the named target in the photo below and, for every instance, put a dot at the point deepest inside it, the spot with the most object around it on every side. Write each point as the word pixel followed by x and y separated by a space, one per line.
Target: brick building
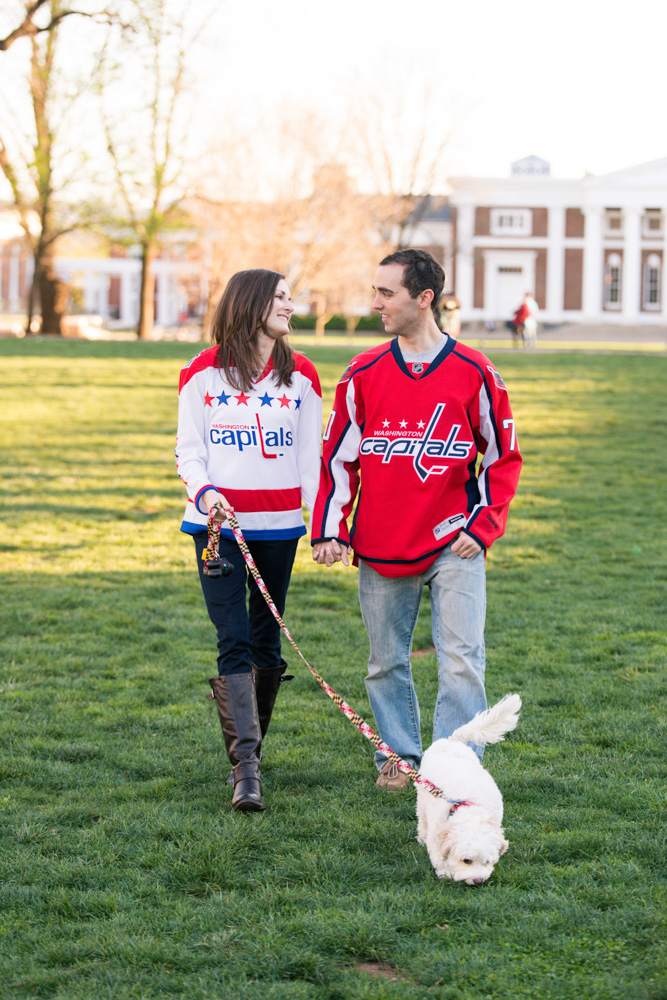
pixel 591 249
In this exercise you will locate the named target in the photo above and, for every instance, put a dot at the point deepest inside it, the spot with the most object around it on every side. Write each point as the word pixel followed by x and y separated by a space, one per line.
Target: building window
pixel 651 292
pixel 652 222
pixel 511 222
pixel 612 281
pixel 613 222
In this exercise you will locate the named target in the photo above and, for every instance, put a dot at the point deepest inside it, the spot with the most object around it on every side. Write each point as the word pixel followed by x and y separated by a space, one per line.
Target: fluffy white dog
pixel 464 836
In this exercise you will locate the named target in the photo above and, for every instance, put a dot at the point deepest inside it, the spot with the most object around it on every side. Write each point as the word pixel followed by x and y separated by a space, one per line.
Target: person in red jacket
pixel 411 419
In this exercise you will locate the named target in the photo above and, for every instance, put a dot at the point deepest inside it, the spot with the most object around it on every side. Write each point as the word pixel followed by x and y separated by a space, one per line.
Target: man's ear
pixel 425 298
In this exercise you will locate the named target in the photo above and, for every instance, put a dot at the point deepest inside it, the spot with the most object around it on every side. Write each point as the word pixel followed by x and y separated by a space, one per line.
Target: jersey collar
pixel 400 360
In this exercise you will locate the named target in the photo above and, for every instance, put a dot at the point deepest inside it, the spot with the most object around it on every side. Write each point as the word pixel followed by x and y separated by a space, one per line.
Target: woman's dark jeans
pixel 247 634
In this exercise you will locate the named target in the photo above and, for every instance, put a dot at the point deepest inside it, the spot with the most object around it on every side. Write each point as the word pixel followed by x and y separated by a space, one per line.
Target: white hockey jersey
pixel 261 448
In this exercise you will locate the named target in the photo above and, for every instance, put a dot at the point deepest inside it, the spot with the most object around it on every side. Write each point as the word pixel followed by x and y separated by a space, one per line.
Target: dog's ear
pixel 503 847
pixel 445 842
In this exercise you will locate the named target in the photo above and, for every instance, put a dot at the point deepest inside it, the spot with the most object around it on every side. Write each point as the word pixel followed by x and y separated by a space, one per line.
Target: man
pixel 410 419
pixel 530 322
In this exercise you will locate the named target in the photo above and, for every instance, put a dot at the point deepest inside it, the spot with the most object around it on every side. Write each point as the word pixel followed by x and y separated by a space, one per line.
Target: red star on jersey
pixel 208 400
pixel 284 401
pixel 242 398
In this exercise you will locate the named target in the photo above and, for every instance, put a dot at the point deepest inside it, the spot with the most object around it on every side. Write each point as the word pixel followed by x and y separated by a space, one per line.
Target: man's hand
pixel 465 547
pixel 328 553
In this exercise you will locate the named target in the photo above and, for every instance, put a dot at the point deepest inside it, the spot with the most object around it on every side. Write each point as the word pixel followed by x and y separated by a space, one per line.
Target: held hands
pixel 465 547
pixel 327 553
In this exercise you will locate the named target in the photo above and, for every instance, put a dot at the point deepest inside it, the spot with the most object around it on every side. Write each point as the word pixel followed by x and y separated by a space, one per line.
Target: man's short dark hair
pixel 422 271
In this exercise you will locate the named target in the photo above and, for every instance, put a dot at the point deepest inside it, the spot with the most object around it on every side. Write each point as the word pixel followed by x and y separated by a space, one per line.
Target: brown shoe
pixel 391 779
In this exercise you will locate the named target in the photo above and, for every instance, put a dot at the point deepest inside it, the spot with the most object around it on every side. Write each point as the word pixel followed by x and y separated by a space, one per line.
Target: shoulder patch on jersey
pixel 187 365
pixel 497 377
pixel 205 359
pixel 345 377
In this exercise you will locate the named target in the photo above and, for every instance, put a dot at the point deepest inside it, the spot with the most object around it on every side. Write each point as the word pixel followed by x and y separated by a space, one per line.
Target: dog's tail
pixel 490 726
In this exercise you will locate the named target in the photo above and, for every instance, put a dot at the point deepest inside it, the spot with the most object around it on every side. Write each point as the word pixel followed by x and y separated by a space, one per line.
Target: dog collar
pixel 457 805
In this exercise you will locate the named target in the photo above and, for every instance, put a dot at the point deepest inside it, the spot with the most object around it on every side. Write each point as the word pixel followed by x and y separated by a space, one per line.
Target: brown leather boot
pixel 267 683
pixel 235 700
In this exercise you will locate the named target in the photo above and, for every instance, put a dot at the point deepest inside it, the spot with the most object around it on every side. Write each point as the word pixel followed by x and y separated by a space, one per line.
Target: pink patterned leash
pixel 211 553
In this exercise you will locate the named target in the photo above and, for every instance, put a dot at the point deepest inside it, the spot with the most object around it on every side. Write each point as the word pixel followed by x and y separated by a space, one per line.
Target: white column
pixel 90 291
pixel 593 268
pixel 103 294
pixel 163 312
pixel 126 315
pixel 14 297
pixel 555 264
pixel 632 262
pixel 464 259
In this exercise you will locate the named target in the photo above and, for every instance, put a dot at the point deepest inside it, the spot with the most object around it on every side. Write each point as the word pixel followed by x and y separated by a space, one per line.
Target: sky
pixel 580 83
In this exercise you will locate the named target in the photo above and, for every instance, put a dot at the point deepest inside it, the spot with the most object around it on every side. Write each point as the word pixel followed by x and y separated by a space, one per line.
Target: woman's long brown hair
pixel 239 316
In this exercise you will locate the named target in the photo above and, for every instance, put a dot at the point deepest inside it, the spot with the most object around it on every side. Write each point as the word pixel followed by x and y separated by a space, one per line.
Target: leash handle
pixel 347 710
pixel 214 566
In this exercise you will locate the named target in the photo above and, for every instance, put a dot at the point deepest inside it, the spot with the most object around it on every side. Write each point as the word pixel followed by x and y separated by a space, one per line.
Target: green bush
pixel 338 322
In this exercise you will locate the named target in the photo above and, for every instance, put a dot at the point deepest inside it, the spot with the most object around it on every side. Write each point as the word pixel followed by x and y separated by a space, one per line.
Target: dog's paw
pixel 420 840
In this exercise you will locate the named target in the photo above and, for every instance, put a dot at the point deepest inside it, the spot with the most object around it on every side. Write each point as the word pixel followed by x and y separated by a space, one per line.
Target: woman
pixel 249 427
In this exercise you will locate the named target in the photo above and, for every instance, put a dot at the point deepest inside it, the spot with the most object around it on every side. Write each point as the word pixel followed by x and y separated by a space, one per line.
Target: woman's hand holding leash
pixel 214 566
pixel 210 499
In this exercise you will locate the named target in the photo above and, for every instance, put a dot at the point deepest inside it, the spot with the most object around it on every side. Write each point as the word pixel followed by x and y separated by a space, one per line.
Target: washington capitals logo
pixel 420 448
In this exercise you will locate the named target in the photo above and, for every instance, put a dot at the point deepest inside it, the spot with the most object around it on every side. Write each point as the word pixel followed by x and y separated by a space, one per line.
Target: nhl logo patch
pixel 417 368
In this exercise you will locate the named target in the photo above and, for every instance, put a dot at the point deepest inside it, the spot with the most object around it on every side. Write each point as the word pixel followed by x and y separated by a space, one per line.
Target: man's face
pixel 399 312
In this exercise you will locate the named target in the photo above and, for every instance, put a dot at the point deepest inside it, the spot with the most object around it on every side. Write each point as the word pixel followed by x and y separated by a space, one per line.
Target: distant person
pixel 249 428
pixel 530 322
pixel 518 324
pixel 411 418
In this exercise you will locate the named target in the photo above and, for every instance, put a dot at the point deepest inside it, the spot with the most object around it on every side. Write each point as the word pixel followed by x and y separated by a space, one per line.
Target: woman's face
pixel 280 310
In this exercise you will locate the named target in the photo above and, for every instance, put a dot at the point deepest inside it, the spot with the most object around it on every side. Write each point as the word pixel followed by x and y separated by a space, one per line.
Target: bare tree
pixel 312 225
pixel 403 132
pixel 147 143
pixel 33 163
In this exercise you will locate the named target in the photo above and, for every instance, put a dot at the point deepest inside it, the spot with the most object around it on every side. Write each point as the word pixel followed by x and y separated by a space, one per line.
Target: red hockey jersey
pixel 413 438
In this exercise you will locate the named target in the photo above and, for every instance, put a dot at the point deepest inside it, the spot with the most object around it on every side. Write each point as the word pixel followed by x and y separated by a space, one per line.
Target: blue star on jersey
pixel 222 398
pixel 266 400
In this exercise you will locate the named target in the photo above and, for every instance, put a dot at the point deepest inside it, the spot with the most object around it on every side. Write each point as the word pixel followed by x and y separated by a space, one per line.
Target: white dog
pixel 464 836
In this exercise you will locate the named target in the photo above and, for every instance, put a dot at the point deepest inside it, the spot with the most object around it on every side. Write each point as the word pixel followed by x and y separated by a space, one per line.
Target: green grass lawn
pixel 125 874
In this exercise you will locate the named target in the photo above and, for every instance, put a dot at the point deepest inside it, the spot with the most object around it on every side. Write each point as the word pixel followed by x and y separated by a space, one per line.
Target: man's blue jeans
pixel 389 607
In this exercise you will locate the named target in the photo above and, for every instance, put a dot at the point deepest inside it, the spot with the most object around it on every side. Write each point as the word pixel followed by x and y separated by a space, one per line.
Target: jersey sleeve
pixel 501 465
pixel 310 434
pixel 191 454
pixel 339 473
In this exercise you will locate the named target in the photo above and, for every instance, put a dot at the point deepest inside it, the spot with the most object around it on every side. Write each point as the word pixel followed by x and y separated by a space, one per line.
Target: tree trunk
pixel 53 294
pixel 147 292
pixel 32 294
pixel 351 324
pixel 322 317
